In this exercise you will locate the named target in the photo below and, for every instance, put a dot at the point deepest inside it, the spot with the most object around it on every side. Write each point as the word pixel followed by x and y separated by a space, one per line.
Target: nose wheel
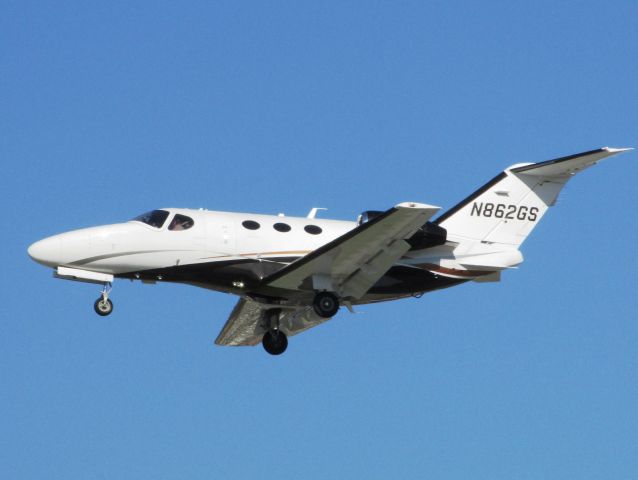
pixel 103 306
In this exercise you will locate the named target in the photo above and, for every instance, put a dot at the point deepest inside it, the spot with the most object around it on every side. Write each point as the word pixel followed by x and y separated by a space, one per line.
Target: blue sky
pixel 115 108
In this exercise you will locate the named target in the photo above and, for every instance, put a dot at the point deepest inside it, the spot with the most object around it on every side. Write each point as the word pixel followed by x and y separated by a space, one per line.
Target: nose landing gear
pixel 103 306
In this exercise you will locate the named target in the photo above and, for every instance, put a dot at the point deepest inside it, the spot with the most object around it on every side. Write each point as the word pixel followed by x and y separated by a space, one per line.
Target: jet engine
pixel 368 215
pixel 429 235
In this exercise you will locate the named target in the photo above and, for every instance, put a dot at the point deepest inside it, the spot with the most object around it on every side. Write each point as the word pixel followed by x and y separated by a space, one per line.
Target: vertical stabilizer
pixel 507 208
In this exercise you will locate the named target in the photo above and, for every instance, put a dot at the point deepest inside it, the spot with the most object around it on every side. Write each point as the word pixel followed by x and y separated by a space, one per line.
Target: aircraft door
pixel 221 235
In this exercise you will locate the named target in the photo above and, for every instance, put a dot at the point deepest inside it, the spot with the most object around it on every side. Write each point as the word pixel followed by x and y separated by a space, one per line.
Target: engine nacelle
pixel 368 215
pixel 429 235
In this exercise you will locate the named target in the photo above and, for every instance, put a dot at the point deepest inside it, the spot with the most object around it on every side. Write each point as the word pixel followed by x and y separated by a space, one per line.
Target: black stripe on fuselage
pixel 401 280
pixel 218 275
pixel 225 275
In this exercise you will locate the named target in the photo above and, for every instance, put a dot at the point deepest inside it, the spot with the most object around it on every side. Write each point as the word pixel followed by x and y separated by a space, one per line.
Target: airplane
pixel 294 273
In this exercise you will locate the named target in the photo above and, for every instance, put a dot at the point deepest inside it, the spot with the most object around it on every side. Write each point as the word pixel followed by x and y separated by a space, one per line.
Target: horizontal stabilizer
pixel 494 260
pixel 567 165
pixel 492 277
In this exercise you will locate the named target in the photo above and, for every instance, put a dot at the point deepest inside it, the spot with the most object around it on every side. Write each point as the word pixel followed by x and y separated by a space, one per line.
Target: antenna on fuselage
pixel 313 212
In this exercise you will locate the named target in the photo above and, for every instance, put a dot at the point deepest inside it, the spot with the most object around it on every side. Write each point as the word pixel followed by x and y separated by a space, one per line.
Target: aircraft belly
pixel 244 276
pixel 237 275
pixel 402 280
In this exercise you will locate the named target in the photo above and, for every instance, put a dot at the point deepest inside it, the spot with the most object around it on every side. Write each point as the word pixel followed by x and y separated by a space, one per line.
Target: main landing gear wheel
pixel 103 307
pixel 275 342
pixel 326 304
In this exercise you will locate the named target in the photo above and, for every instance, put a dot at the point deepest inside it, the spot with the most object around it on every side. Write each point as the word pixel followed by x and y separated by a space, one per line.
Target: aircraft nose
pixel 46 251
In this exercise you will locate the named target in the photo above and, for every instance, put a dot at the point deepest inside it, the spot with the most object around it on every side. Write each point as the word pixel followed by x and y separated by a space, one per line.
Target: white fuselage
pixel 214 236
pixel 233 252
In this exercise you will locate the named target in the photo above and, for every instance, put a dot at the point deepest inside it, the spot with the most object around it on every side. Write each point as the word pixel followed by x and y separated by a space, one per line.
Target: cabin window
pixel 250 224
pixel 181 222
pixel 313 229
pixel 281 227
pixel 154 218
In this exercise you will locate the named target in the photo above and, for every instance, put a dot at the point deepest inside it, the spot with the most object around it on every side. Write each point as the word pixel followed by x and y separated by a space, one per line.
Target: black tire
pixel 275 342
pixel 326 304
pixel 103 308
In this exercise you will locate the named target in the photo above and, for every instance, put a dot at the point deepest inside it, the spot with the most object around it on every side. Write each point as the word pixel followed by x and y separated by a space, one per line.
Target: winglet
pixel 618 150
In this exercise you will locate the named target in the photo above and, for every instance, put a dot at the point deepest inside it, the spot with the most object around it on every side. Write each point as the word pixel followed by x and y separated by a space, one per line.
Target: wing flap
pixel 360 281
pixel 245 325
pixel 293 322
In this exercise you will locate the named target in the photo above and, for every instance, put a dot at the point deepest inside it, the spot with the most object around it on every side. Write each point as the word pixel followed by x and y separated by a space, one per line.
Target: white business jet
pixel 292 274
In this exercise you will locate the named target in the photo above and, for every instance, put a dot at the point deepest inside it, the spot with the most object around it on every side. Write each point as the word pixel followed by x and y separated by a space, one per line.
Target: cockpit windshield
pixel 154 218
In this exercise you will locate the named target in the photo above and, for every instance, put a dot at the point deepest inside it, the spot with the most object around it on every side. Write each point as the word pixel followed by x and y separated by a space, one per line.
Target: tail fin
pixel 506 209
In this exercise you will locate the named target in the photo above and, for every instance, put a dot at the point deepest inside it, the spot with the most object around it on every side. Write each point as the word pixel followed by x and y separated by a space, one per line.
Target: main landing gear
pixel 325 304
pixel 274 341
pixel 103 306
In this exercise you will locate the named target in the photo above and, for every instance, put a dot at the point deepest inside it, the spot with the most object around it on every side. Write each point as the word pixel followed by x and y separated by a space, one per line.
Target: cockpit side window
pixel 154 218
pixel 181 222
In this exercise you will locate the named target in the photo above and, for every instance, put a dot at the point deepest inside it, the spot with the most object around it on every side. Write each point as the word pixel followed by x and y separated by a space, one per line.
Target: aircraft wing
pixel 352 263
pixel 246 325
